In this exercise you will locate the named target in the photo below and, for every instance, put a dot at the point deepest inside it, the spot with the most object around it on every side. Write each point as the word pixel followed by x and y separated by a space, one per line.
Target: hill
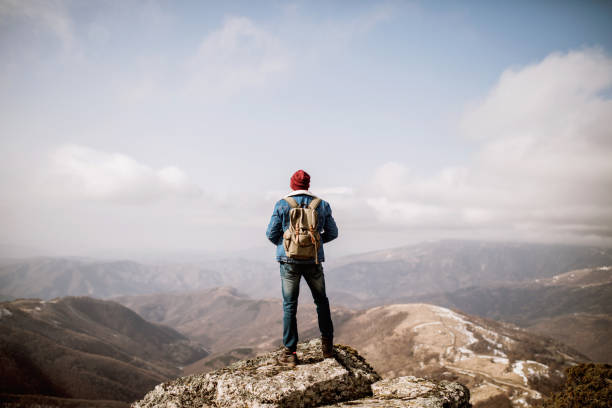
pixel 223 318
pixel 494 360
pixel 574 307
pixel 79 347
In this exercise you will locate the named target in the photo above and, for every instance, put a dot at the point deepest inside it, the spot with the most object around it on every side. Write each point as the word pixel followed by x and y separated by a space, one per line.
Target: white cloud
pixel 556 97
pixel 239 55
pixel 79 171
pixel 543 169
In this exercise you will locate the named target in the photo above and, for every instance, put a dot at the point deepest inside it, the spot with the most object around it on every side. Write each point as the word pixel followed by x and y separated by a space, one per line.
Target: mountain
pixel 591 334
pixel 358 281
pixel 47 278
pixel 344 381
pixel 383 276
pixel 78 347
pixel 574 307
pixel 223 318
pixel 496 361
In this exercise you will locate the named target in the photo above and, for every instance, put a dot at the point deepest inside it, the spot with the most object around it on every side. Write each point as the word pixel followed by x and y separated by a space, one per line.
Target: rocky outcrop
pixel 412 392
pixel 343 381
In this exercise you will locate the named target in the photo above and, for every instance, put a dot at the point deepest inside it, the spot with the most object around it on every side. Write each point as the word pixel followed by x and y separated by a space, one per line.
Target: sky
pixel 160 127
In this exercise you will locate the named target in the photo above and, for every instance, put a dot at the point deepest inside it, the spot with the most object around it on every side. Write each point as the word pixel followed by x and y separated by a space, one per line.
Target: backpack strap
pixel 314 203
pixel 312 215
pixel 291 201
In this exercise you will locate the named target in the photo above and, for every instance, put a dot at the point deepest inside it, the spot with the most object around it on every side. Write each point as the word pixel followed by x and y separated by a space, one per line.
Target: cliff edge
pixel 344 381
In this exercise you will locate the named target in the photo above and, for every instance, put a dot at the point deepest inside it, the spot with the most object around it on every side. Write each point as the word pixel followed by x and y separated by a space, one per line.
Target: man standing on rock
pixel 301 223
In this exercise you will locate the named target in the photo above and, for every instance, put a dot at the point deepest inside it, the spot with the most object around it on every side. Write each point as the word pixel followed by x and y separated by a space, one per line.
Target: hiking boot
pixel 327 347
pixel 288 358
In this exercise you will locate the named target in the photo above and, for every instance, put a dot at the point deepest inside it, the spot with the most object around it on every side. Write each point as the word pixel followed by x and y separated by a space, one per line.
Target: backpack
pixel 302 239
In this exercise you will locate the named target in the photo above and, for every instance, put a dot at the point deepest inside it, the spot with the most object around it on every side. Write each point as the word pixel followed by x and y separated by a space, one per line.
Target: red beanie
pixel 300 180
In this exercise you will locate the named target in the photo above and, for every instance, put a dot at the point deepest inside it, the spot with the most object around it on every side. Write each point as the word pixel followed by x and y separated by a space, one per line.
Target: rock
pixel 263 383
pixel 412 392
pixel 402 387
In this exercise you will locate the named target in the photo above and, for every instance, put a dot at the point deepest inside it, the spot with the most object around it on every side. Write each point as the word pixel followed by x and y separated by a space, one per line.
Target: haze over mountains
pixel 46 278
pixel 443 266
pixel 365 279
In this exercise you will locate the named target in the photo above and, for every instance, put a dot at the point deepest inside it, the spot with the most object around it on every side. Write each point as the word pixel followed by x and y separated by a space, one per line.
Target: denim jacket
pixel 279 222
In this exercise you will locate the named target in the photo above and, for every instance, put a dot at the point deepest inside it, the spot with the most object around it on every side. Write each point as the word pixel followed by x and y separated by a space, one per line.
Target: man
pixel 292 268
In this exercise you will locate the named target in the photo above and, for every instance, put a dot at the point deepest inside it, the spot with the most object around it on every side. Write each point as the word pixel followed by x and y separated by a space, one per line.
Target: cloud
pixel 243 54
pixel 239 55
pixel 82 172
pixel 542 169
pixel 51 15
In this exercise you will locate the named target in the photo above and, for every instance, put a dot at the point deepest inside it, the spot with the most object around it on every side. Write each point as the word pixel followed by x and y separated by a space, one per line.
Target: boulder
pixel 263 383
pixel 412 392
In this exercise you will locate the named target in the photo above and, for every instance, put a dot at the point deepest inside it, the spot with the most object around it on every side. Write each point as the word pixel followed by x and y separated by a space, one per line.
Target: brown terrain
pixel 499 362
pixel 222 319
pixel 588 331
pixel 574 307
pixel 86 348
pixel 494 360
pixel 69 348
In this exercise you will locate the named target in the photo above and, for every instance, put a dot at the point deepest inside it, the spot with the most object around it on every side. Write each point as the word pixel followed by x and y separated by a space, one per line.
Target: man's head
pixel 300 180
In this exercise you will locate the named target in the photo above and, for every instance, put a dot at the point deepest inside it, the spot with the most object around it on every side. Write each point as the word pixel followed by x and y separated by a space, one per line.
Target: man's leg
pixel 290 284
pixel 316 282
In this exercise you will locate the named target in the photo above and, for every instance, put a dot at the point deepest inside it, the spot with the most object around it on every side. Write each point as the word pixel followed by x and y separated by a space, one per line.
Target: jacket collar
pixel 298 192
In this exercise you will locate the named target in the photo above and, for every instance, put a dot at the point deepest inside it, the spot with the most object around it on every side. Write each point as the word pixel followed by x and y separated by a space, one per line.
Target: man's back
pixel 293 269
pixel 279 222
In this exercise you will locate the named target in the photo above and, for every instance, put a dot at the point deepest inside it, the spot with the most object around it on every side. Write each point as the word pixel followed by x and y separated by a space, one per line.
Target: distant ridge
pixel 445 266
pixel 47 278
pixel 358 281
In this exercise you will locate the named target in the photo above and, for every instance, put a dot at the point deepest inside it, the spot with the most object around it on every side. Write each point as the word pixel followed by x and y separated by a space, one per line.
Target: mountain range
pixel 574 307
pixel 48 277
pixel 494 359
pixel 445 266
pixel 195 317
pixel 362 280
pixel 95 349
pixel 223 318
pixel 78 347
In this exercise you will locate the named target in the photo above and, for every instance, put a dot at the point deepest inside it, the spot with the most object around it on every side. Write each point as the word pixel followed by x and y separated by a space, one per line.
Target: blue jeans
pixel 290 280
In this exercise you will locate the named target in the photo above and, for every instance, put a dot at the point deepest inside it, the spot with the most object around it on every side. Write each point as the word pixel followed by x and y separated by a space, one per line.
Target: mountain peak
pixel 333 382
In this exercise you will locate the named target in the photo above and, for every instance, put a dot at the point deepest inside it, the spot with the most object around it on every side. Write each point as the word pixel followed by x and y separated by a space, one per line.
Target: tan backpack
pixel 302 239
